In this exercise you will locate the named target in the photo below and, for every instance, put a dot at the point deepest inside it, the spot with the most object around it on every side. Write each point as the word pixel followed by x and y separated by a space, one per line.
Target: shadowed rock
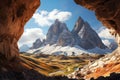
pixel 54 32
pixel 37 44
pixel 85 36
pixel 113 76
pixel 13 16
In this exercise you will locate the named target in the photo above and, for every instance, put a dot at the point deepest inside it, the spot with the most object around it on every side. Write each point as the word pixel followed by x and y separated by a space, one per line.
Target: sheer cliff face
pixel 38 43
pixel 54 32
pixel 85 36
pixel 107 11
pixel 13 16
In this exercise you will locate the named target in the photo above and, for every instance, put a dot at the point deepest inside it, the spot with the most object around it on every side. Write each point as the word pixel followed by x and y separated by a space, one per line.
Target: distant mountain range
pixel 82 36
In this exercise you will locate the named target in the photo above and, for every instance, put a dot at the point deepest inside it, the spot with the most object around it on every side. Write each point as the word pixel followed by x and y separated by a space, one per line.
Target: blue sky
pixel 65 10
pixel 70 6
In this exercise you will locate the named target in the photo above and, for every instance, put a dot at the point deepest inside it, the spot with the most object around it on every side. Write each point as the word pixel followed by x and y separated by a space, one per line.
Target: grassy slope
pixel 32 63
pixel 55 65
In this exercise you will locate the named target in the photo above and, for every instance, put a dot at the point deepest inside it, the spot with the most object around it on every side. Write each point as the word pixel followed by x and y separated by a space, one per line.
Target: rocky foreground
pixel 101 67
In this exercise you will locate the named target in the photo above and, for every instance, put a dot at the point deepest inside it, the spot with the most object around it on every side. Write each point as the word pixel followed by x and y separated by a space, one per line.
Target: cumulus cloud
pixel 106 37
pixel 45 18
pixel 104 33
pixel 30 35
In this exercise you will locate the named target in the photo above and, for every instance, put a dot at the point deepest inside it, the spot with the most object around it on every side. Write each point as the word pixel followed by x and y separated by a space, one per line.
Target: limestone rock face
pixel 66 39
pixel 107 11
pixel 54 31
pixel 78 25
pixel 85 36
pixel 37 44
pixel 13 16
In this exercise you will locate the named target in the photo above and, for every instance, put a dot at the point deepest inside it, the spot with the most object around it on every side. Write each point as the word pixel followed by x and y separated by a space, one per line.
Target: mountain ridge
pixel 82 35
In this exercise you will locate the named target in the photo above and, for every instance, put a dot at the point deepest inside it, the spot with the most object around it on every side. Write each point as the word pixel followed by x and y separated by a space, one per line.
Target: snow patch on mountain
pixel 66 50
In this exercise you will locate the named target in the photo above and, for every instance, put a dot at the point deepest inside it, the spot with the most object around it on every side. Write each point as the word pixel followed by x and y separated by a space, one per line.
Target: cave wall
pixel 107 11
pixel 13 16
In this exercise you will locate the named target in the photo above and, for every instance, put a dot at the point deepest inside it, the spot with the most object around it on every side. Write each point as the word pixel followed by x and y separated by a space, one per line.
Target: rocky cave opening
pixel 21 11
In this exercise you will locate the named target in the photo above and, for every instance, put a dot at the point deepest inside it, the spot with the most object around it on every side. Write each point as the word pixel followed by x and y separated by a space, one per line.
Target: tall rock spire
pixel 85 36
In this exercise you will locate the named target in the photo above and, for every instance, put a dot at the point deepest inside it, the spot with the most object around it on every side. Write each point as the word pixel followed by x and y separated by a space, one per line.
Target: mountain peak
pixel 78 25
pixel 57 20
pixel 82 35
pixel 54 32
pixel 85 36
pixel 36 44
pixel 79 18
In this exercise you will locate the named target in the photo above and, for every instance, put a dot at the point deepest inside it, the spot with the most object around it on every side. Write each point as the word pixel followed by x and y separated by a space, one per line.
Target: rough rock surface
pixel 28 75
pixel 13 16
pixel 107 11
pixel 37 44
pixel 102 67
pixel 113 76
pixel 66 39
pixel 54 32
pixel 85 36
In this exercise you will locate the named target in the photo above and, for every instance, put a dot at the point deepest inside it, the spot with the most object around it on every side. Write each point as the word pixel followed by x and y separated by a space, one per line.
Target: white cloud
pixel 106 37
pixel 30 35
pixel 45 18
pixel 104 33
